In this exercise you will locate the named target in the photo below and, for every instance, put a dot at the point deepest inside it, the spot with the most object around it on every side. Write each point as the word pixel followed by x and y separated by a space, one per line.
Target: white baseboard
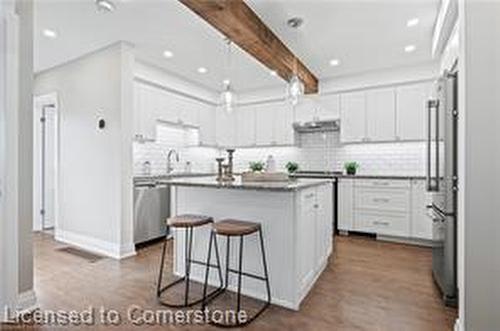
pixel 94 245
pixel 26 302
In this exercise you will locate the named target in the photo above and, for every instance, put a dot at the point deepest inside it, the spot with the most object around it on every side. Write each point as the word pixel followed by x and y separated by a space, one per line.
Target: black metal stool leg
pixel 207 272
pixel 189 250
pixel 228 253
pixel 264 264
pixel 240 267
pixel 160 277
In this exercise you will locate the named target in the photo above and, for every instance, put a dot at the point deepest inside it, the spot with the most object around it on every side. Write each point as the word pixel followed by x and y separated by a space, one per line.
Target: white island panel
pixel 297 228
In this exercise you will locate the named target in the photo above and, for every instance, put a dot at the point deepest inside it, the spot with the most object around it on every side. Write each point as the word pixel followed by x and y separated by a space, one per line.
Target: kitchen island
pixel 296 218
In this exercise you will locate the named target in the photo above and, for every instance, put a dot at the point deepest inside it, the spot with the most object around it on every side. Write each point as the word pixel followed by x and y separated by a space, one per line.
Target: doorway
pixel 46 143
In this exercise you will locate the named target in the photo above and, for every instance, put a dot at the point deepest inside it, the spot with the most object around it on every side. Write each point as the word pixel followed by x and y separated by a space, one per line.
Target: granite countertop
pixel 402 177
pixel 211 182
pixel 154 179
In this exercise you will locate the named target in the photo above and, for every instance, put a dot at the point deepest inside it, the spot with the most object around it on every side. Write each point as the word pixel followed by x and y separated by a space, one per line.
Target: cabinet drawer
pixel 382 183
pixel 395 200
pixel 385 224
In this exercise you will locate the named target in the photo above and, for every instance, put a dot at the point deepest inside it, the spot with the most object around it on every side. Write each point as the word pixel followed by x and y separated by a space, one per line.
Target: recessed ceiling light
pixel 226 81
pixel 273 73
pixel 168 54
pixel 105 5
pixel 202 70
pixel 334 62
pixel 412 22
pixel 50 33
pixel 410 48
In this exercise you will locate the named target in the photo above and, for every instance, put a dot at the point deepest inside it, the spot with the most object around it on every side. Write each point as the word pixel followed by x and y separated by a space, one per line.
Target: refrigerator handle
pixel 432 187
pixel 436 106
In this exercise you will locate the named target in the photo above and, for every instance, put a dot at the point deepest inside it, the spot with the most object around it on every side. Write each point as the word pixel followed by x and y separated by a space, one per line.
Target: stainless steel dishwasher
pixel 151 210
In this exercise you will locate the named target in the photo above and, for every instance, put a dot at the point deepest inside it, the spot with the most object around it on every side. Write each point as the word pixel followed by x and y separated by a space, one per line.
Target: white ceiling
pixel 364 34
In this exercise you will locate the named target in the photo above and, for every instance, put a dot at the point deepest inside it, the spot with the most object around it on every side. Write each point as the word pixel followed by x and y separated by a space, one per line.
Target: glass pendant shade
pixel 228 98
pixel 295 89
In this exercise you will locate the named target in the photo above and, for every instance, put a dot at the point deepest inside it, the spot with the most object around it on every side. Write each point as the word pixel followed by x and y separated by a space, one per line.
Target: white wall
pixel 479 226
pixel 95 165
pixel 9 253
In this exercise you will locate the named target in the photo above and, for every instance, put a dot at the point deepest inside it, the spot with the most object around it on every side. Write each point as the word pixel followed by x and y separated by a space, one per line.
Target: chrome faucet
pixel 169 160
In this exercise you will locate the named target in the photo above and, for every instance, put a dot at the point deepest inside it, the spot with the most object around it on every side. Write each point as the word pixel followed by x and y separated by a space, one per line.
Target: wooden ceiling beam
pixel 237 21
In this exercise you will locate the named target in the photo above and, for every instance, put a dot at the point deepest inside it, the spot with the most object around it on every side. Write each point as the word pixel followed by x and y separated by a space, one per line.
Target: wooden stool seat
pixel 187 221
pixel 230 227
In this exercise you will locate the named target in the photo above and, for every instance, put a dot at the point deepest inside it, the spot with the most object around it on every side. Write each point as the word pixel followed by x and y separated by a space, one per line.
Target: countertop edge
pixel 253 187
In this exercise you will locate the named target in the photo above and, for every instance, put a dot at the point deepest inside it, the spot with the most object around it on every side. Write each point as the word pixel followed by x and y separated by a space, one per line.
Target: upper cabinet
pixel 152 104
pixel 410 111
pixel 144 116
pixel 380 114
pixel 384 114
pixel 225 131
pixel 328 107
pixel 353 117
pixel 245 126
pixel 318 108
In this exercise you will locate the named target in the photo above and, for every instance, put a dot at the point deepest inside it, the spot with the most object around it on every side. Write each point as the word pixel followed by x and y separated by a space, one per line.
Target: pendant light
pixel 295 87
pixel 227 96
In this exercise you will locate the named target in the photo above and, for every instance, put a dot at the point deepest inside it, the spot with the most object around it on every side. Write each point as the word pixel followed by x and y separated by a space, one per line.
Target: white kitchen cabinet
pixel 305 110
pixel 264 124
pixel 225 128
pixel 245 126
pixel 189 111
pixel 421 223
pixel 411 111
pixel 144 116
pixel 207 126
pixel 380 114
pixel 283 133
pixel 328 108
pixel 166 105
pixel 345 204
pixel 353 117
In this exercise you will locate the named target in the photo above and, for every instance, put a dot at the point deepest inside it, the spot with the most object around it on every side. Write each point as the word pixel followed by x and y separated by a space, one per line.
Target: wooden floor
pixel 367 285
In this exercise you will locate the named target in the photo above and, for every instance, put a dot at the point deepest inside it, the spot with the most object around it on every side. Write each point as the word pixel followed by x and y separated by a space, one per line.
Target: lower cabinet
pixel 395 208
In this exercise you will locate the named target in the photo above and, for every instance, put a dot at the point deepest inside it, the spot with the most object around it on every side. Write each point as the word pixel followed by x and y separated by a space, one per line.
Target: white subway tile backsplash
pixel 316 151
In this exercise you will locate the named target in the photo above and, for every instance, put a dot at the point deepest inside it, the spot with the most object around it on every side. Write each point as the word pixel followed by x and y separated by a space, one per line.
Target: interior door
pixel 48 165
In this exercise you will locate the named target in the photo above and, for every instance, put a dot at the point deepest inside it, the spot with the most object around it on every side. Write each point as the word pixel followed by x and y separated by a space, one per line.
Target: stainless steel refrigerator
pixel 442 182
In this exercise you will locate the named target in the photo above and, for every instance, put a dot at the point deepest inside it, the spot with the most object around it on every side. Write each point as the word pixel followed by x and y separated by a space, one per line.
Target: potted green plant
pixel 257 166
pixel 292 167
pixel 351 167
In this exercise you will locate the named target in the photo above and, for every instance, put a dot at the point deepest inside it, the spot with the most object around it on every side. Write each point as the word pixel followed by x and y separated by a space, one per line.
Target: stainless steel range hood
pixel 317 126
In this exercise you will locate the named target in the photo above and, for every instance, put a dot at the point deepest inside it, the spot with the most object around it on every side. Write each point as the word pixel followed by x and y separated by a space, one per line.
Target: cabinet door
pixel 166 106
pixel 353 117
pixel 306 227
pixel 144 106
pixel 324 222
pixel 225 131
pixel 264 124
pixel 410 111
pixel 305 110
pixel 207 126
pixel 421 224
pixel 345 204
pixel 381 115
pixel 328 108
pixel 283 133
pixel 245 126
pixel 189 111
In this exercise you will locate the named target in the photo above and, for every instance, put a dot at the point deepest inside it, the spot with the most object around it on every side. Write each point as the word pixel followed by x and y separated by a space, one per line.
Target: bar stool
pixel 187 222
pixel 236 228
